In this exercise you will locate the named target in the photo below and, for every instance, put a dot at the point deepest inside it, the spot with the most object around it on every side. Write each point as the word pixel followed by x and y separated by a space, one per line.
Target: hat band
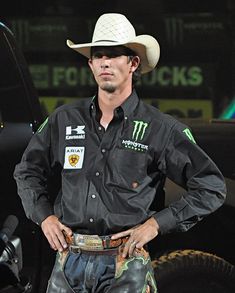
pixel 105 41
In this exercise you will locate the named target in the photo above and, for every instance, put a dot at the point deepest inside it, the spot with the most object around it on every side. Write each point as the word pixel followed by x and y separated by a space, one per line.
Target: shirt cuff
pixel 165 220
pixel 41 213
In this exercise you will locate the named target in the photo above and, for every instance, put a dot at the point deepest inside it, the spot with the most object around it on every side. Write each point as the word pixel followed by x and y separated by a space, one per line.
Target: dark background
pixel 192 34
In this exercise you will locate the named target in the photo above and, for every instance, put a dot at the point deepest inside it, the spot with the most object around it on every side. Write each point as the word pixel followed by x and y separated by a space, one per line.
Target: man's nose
pixel 104 62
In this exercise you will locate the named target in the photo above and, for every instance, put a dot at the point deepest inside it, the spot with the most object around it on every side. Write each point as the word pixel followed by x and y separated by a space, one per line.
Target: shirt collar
pixel 128 106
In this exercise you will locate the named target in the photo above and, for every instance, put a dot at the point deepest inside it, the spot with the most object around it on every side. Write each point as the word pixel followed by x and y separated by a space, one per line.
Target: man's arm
pixel 186 164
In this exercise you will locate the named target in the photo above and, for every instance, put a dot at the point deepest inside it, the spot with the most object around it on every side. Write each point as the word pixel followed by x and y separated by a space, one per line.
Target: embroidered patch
pixel 189 134
pixel 135 146
pixel 42 125
pixel 73 158
pixel 75 132
pixel 139 129
pixel 138 134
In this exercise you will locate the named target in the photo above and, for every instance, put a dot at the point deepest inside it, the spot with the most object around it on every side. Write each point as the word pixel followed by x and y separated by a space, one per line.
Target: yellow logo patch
pixel 73 160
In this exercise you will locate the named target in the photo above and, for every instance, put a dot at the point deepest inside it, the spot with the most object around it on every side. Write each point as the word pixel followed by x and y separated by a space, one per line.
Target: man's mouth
pixel 105 73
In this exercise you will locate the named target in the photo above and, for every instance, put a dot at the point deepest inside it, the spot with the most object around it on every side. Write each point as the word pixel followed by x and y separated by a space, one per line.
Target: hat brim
pixel 145 46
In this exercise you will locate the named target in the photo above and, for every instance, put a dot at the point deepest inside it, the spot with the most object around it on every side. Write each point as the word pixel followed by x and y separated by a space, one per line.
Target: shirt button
pixel 91 220
pixel 103 151
pixel 93 196
pixel 125 118
pixel 100 128
pixel 97 173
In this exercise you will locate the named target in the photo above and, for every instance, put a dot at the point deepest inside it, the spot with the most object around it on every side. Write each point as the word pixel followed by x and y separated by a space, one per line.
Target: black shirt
pixel 110 178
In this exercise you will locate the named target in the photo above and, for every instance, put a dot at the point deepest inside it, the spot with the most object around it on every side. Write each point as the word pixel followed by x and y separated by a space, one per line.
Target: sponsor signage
pixel 182 108
pixel 65 76
pixel 197 32
pixel 185 31
pixel 49 34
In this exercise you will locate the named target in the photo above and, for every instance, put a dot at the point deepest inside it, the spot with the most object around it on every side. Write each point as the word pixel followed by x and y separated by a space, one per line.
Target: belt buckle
pixel 74 248
pixel 88 242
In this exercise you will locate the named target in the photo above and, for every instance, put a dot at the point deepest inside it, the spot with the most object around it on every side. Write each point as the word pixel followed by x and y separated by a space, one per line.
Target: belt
pixel 94 244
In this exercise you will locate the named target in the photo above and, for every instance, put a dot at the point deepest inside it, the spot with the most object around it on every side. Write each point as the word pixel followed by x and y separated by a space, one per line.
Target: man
pixel 113 153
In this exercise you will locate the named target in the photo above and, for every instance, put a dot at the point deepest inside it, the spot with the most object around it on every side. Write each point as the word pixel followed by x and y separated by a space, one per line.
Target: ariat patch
pixel 73 158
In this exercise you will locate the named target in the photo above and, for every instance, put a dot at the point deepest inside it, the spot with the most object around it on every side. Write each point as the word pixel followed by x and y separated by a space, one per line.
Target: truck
pixel 199 260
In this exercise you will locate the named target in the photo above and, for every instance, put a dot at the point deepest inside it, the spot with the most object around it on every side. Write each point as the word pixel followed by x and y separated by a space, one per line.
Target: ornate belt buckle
pixel 89 242
pixel 74 248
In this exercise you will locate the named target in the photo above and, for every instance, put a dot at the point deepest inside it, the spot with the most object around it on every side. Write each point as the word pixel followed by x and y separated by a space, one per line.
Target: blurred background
pixel 195 75
pixel 194 80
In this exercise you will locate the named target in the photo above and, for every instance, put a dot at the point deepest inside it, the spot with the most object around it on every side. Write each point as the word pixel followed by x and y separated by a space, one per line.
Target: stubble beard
pixel 110 88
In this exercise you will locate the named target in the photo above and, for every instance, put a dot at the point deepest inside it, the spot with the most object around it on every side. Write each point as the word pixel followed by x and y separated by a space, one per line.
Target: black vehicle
pixel 200 260
pixel 20 115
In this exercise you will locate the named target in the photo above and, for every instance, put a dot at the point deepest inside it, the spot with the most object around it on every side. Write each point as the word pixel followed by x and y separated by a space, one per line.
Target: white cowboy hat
pixel 113 29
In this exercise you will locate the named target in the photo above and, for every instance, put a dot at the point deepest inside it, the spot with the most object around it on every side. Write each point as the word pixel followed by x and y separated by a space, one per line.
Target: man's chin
pixel 110 88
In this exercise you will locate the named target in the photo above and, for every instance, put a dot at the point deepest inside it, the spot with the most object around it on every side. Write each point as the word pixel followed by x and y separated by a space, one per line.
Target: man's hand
pixel 138 236
pixel 53 230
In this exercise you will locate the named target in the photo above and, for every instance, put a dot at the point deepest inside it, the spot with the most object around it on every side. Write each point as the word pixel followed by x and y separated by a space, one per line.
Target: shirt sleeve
pixel 186 164
pixel 31 175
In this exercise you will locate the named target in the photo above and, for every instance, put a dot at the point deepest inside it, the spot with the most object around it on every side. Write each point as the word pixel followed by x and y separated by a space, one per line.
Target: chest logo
pixel 75 132
pixel 139 129
pixel 73 158
pixel 137 136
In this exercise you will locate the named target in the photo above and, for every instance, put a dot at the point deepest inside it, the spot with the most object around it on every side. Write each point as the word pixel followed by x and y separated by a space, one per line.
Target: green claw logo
pixel 137 135
pixel 139 129
pixel 42 125
pixel 189 134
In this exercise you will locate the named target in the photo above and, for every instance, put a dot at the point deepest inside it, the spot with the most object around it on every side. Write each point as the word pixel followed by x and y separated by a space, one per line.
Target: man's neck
pixel 108 102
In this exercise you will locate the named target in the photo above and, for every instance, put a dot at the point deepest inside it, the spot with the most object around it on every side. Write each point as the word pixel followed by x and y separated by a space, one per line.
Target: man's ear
pixel 135 62
pixel 90 64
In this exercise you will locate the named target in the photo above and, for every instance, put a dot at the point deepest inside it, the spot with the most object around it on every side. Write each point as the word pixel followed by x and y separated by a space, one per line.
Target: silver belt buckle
pixel 74 248
pixel 88 242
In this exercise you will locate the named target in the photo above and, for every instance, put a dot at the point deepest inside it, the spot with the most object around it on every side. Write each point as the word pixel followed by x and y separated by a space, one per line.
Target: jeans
pixel 89 273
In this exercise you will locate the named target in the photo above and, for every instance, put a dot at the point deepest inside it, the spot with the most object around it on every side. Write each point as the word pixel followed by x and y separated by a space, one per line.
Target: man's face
pixel 112 67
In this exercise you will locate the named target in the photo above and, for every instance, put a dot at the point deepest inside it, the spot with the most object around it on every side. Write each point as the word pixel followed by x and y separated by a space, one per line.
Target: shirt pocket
pixel 130 167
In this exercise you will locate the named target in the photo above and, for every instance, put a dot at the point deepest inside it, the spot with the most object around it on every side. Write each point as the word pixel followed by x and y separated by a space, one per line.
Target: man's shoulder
pixel 155 114
pixel 80 104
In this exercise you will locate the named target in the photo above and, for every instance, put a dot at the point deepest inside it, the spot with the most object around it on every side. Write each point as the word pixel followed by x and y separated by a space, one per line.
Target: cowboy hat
pixel 113 29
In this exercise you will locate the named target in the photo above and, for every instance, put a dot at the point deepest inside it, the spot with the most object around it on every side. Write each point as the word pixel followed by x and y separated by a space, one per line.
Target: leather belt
pixel 94 244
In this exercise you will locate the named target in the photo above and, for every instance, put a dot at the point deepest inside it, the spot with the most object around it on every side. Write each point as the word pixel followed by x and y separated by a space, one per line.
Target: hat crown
pixel 113 27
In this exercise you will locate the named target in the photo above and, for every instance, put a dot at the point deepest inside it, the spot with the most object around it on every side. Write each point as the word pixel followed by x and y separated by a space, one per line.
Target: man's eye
pixel 109 55
pixel 113 55
pixel 97 55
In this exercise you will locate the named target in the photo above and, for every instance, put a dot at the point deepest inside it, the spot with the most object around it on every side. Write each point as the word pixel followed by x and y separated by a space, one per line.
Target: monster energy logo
pixel 139 129
pixel 189 134
pixel 42 125
pixel 174 30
